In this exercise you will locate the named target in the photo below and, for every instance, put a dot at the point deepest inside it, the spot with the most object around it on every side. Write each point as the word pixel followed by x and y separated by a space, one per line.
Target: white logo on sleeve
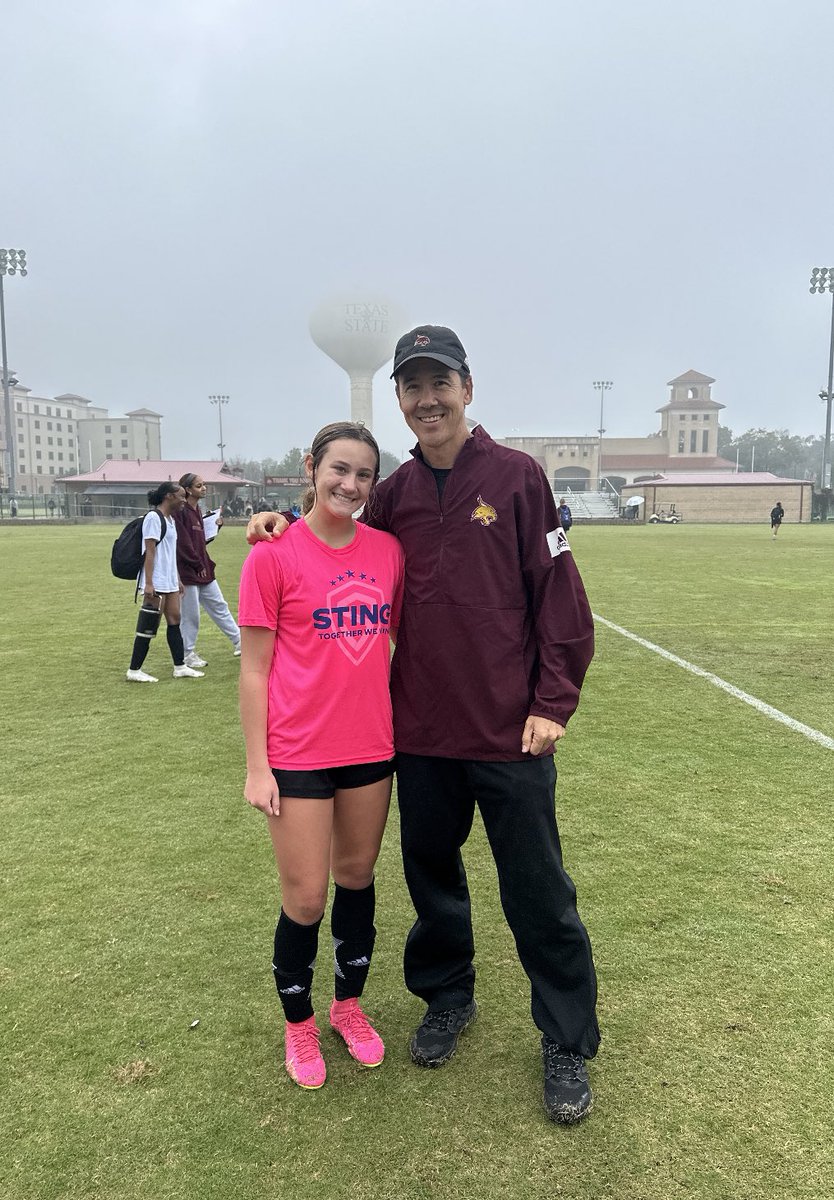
pixel 557 542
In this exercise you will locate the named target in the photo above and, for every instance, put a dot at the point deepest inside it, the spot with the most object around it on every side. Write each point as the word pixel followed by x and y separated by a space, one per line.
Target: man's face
pixel 433 400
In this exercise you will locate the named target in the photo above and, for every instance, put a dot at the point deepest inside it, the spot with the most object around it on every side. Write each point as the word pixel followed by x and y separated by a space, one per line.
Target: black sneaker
pixel 567 1093
pixel 436 1038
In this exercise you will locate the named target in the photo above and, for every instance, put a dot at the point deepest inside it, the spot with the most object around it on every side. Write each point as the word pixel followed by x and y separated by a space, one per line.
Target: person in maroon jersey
pixel 197 573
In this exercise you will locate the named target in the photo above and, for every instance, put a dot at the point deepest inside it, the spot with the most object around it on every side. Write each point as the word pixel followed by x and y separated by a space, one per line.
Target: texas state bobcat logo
pixel 484 513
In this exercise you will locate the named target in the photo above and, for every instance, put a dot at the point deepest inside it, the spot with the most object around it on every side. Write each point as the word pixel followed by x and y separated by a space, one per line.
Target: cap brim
pixel 454 363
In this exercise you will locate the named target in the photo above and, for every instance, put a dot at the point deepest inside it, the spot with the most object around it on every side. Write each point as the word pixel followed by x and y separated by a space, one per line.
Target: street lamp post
pixel 12 262
pixel 822 280
pixel 220 401
pixel 602 386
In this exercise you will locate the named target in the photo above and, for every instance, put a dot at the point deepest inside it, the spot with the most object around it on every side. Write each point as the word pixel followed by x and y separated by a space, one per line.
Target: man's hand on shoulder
pixel 263 525
pixel 540 735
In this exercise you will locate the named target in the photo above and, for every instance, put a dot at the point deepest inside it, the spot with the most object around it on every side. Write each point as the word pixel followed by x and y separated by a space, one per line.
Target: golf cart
pixel 662 517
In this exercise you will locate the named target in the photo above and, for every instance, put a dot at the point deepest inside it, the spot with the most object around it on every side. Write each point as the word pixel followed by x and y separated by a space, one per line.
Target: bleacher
pixel 600 505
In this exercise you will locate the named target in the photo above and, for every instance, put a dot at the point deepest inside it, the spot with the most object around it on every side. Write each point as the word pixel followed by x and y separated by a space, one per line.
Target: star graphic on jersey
pixel 362 575
pixel 341 578
pixel 332 582
pixel 350 574
pixel 373 579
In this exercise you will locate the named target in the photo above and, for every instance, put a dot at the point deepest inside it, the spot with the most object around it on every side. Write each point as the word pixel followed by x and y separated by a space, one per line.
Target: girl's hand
pixel 261 791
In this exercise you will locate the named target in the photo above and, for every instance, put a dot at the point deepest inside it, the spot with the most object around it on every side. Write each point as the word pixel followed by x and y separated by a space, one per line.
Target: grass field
pixel 138 895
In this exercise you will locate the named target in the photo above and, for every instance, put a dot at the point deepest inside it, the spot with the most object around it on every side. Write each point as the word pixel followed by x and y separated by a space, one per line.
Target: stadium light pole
pixel 12 262
pixel 822 280
pixel 220 401
pixel 602 386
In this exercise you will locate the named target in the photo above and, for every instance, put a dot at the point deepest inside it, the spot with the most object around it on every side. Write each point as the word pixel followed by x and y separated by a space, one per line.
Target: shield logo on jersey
pixel 356 614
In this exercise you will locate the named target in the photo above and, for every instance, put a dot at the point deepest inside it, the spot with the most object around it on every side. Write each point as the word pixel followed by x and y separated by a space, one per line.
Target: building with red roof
pixel 119 487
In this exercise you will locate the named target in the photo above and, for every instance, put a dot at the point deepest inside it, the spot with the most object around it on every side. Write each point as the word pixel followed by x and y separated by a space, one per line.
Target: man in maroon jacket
pixel 495 640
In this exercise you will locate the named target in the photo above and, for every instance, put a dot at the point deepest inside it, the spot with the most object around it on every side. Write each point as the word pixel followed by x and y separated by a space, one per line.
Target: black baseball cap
pixel 431 341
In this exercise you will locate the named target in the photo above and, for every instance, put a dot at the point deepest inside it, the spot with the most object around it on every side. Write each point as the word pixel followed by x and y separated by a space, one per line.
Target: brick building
pixel 687 441
pixel 717 498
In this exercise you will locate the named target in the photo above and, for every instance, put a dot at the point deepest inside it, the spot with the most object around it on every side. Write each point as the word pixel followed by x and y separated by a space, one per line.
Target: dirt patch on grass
pixel 135 1072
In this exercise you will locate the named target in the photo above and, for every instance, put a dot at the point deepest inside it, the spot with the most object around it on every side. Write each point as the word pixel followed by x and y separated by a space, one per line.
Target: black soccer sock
pixel 175 645
pixel 293 961
pixel 352 924
pixel 141 646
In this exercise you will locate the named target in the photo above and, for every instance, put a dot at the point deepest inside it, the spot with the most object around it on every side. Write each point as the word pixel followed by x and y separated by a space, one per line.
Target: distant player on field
pixel 777 514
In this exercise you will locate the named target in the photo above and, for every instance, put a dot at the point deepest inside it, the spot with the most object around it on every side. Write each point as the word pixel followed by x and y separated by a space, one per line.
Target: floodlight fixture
pixel 12 262
pixel 219 400
pixel 602 386
pixel 822 280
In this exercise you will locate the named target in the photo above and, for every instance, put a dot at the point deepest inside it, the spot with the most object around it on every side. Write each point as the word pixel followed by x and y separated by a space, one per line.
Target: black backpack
pixel 128 552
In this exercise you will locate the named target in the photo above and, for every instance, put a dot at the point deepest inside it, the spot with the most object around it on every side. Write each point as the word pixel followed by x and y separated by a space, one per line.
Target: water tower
pixel 359 333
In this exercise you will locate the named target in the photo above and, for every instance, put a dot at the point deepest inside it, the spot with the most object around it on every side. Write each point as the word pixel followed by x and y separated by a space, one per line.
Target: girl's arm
pixel 257 645
pixel 150 559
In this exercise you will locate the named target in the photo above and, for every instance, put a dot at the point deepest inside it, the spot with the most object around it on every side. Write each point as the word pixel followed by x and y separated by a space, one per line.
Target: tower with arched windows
pixel 689 422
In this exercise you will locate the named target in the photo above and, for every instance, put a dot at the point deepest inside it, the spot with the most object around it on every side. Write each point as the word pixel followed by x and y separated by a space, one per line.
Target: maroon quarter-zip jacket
pixel 192 552
pixel 496 624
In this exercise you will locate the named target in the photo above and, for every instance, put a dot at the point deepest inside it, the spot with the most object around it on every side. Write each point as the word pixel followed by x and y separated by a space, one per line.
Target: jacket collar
pixel 479 440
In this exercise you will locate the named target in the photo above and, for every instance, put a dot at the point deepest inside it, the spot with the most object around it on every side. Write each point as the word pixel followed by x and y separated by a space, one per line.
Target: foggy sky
pixel 609 190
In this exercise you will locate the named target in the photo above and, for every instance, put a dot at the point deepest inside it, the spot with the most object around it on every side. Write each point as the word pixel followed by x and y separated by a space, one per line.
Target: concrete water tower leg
pixel 362 398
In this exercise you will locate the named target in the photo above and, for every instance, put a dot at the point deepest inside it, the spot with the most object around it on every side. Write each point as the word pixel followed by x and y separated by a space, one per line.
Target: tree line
pixel 293 464
pixel 776 450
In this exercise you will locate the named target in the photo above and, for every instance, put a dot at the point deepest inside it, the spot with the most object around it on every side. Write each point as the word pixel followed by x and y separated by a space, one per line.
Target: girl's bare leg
pixel 301 838
pixel 359 816
pixel 358 825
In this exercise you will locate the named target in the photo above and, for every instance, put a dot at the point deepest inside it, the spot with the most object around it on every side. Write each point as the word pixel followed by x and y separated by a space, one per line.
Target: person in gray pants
pixel 197 574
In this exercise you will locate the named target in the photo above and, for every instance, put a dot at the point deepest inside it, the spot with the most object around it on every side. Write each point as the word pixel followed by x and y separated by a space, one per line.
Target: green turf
pixel 138 895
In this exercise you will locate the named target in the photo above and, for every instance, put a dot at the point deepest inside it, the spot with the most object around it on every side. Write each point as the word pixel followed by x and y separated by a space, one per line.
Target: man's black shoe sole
pixel 420 1060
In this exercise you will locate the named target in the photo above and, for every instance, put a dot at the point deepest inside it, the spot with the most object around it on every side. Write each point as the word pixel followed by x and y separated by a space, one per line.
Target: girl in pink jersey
pixel 316 610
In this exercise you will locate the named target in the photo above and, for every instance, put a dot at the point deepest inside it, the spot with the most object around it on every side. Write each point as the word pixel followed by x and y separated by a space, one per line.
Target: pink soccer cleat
pixel 362 1040
pixel 304 1062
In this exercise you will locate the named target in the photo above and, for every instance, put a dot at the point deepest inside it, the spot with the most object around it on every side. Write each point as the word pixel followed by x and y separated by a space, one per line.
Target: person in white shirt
pixel 160 585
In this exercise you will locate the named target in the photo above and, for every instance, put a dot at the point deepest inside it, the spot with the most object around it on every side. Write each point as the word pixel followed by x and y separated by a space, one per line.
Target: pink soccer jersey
pixel 329 703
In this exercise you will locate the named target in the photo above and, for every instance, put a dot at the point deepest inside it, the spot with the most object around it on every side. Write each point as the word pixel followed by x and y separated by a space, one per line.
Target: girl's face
pixel 197 490
pixel 344 477
pixel 174 501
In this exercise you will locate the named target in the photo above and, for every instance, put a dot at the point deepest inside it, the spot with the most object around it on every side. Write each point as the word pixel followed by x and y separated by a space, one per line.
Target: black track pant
pixel 437 798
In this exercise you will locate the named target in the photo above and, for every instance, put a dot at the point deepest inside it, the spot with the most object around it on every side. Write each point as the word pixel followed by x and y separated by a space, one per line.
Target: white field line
pixel 768 710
